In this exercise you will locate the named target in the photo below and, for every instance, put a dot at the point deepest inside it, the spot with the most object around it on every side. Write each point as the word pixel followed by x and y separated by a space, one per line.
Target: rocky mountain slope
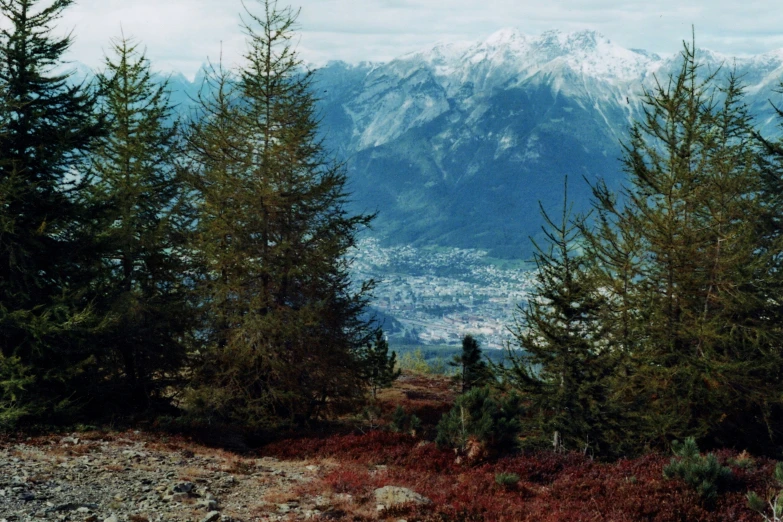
pixel 456 145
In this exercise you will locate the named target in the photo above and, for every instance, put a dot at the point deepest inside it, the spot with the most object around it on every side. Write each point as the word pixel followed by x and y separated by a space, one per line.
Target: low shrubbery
pixel 703 474
pixel 540 486
pixel 771 507
pixel 481 422
pixel 403 422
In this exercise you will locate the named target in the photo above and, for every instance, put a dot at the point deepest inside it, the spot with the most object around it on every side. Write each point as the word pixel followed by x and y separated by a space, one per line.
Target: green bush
pixel 775 501
pixel 414 362
pixel 404 423
pixel 704 474
pixel 15 380
pixel 483 416
pixel 506 480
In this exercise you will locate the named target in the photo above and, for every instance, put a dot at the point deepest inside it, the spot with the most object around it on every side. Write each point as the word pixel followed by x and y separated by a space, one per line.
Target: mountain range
pixel 457 144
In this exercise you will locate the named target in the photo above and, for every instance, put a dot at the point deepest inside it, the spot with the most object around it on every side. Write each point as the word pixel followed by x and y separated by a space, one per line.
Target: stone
pixel 208 504
pixel 212 516
pixel 112 518
pixel 395 495
pixel 183 487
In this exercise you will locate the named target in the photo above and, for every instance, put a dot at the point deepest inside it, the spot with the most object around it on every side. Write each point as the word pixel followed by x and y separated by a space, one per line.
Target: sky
pixel 180 35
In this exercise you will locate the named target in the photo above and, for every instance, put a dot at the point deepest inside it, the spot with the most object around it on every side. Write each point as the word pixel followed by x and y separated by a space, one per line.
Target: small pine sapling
pixel 703 474
pixel 403 422
pixel 472 371
pixel 506 480
pixel 774 500
pixel 481 422
pixel 380 365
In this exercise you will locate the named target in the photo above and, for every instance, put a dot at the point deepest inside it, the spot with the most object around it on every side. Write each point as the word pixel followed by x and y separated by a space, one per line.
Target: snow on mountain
pixel 587 66
pixel 457 143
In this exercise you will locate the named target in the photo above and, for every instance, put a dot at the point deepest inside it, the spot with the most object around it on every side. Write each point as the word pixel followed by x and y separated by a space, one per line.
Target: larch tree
pixel 47 125
pixel 141 230
pixel 704 351
pixel 284 326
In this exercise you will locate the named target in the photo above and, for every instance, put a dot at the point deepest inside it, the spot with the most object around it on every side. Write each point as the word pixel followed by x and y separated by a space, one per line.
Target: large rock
pixel 393 495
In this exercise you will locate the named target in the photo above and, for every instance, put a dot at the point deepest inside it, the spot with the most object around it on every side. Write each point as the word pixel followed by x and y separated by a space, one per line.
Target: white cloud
pixel 181 34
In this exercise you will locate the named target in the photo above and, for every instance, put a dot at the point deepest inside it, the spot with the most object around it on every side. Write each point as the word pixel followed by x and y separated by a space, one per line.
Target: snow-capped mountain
pixel 456 144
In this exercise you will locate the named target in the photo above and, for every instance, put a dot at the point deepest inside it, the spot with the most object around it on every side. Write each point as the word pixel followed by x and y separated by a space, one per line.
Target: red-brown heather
pixel 551 487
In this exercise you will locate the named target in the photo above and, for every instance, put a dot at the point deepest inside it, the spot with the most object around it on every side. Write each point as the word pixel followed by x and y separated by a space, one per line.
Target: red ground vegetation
pixel 552 487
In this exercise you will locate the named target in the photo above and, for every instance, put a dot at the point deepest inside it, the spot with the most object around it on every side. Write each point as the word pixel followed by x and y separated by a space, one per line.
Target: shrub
pixel 414 362
pixel 704 474
pixel 774 501
pixel 15 379
pixel 482 417
pixel 404 423
pixel 506 480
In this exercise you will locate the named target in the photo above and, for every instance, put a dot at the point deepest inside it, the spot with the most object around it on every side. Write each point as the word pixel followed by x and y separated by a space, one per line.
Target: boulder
pixel 394 495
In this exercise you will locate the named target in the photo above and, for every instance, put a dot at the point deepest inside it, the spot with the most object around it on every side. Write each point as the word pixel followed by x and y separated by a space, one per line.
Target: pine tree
pixel 46 128
pixel 380 364
pixel 561 361
pixel 284 327
pixel 141 228
pixel 472 369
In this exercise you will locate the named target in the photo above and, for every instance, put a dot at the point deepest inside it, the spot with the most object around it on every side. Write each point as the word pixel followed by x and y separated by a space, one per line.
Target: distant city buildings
pixel 439 295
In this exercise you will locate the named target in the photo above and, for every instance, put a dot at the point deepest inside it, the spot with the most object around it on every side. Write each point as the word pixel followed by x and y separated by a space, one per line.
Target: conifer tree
pixel 284 327
pixel 46 128
pixel 141 228
pixel 705 343
pixel 562 363
pixel 380 364
pixel 472 370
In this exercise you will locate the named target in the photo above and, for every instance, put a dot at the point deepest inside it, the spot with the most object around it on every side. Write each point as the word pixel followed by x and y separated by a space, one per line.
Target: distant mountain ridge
pixel 456 144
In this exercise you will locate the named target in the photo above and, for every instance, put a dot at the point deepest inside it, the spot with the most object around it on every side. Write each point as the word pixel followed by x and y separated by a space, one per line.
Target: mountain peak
pixel 505 36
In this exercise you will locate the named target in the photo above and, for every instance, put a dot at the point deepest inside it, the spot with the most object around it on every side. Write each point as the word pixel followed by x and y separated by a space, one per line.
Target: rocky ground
pixel 135 477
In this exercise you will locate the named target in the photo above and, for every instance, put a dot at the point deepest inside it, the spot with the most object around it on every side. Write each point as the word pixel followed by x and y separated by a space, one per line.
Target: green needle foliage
pixel 690 312
pixel 658 316
pixel 141 229
pixel 703 474
pixel 482 416
pixel 564 364
pixel 380 364
pixel 47 126
pixel 472 370
pixel 283 328
pixel 774 500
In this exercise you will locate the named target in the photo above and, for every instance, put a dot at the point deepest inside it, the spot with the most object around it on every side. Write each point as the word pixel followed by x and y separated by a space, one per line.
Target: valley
pixel 438 295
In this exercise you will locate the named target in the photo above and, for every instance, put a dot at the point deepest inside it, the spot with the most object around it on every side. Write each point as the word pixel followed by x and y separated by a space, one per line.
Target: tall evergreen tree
pixel 141 228
pixel 284 326
pixel 564 365
pixel 705 343
pixel 46 128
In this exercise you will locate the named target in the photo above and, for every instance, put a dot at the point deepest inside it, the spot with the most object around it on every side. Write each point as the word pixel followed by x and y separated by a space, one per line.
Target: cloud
pixel 182 34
